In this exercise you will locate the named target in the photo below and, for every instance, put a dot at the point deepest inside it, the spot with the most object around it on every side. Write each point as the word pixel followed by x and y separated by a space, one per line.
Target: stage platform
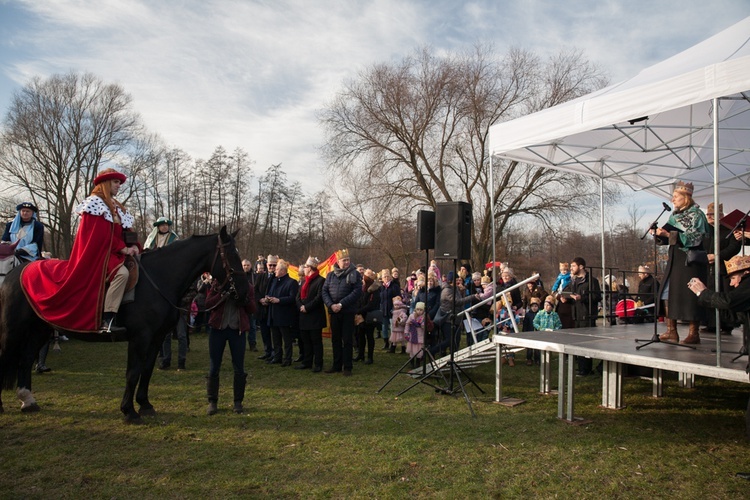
pixel 616 346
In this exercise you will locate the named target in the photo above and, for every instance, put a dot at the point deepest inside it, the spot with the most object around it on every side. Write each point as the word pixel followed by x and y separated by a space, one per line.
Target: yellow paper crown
pixel 685 187
pixel 342 254
pixel 737 263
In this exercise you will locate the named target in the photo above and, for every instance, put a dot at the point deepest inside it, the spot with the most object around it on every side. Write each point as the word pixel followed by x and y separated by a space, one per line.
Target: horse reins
pixel 228 271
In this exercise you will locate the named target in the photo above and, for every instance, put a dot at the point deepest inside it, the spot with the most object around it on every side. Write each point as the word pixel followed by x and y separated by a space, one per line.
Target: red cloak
pixel 69 294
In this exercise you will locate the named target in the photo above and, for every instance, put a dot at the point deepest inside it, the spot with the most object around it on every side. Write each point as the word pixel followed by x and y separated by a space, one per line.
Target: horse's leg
pixel 146 408
pixel 132 375
pixel 25 362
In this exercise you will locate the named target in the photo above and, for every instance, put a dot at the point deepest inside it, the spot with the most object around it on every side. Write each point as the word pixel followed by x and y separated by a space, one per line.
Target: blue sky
pixel 251 74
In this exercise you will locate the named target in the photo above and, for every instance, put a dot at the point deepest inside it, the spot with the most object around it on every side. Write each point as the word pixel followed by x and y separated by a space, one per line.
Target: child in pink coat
pixel 414 332
pixel 398 323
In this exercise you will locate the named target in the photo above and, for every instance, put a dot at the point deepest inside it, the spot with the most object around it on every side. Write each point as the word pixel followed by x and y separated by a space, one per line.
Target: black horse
pixel 165 276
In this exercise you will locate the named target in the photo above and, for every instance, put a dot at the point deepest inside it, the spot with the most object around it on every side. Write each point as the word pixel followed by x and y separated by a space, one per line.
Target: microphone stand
pixel 655 337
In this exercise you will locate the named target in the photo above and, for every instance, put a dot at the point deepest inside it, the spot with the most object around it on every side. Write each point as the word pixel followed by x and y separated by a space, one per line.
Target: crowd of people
pixel 428 312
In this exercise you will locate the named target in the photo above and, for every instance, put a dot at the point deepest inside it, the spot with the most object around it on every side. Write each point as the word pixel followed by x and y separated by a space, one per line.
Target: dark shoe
pixel 403 349
pixel 212 408
pixel 332 370
pixel 369 361
pixel 264 357
pixel 386 347
pixel 392 349
pixel 347 373
pixel 302 367
pixel 274 361
pixel 286 363
pixel 529 362
pixel 164 366
pixel 181 366
pixel 299 359
pixel 359 358
pixel 317 369
pixel 237 408
pixel 253 347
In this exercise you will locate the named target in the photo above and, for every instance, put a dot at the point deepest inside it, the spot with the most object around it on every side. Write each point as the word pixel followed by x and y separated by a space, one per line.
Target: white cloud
pixel 251 74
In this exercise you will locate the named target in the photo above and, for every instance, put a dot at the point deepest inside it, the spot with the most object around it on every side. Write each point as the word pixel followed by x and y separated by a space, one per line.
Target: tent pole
pixel 717 225
pixel 601 228
pixel 492 230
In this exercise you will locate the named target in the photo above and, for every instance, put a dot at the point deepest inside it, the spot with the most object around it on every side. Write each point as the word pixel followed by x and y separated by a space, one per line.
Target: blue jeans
pixel 217 340
pixel 251 333
pixel 166 348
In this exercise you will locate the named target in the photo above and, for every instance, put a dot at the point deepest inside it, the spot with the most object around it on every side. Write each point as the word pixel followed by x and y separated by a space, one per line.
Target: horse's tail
pixel 9 347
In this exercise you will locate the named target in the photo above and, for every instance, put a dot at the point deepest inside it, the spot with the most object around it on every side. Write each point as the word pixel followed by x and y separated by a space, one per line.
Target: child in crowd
pixel 548 319
pixel 415 326
pixel 398 323
pixel 436 270
pixel 563 279
pixel 532 355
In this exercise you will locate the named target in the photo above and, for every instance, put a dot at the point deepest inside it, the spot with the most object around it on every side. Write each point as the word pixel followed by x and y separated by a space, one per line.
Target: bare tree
pixel 57 133
pixel 416 132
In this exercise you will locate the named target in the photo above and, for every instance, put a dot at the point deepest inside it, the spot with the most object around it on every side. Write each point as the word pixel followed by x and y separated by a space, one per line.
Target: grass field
pixel 309 435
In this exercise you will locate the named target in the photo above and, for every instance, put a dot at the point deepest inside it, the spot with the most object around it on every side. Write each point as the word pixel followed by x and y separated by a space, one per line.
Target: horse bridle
pixel 228 271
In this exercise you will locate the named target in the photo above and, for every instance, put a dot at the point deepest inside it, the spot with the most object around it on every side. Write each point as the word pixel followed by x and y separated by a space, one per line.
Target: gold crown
pixel 737 263
pixel 342 254
pixel 685 187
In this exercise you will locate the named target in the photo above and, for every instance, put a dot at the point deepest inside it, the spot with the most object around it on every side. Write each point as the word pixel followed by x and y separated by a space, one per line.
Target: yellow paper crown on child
pixel 737 263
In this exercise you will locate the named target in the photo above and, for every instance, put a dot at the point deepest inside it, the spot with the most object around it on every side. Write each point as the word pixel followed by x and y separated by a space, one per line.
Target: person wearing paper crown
pixel 341 292
pixel 26 231
pixel 162 234
pixel 687 228
pixel 72 294
pixel 736 300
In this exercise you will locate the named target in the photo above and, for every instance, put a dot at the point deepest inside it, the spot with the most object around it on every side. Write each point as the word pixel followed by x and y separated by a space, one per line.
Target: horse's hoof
pixel 147 412
pixel 137 420
pixel 33 407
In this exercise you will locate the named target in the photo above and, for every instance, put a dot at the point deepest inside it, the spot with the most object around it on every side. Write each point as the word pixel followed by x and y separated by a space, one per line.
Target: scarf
pixel 306 285
pixel 24 235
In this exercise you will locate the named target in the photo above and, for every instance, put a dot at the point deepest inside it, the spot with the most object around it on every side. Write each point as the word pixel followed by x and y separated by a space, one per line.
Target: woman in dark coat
pixel 369 302
pixel 312 316
pixel 687 229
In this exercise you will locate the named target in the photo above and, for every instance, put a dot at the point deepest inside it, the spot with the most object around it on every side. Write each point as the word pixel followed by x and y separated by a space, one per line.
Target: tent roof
pixel 653 129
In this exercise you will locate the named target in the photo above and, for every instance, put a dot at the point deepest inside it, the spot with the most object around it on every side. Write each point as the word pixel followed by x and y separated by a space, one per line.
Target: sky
pixel 253 73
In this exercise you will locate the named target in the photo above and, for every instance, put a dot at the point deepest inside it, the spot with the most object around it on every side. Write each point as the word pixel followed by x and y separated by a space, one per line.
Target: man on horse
pixel 26 232
pixel 72 294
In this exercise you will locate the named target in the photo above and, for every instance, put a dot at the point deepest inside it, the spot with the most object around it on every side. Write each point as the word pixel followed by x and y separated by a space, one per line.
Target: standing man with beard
pixel 341 292
pixel 585 295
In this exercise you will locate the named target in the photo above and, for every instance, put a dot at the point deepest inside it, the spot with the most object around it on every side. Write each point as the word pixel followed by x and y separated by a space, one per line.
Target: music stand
pixel 655 337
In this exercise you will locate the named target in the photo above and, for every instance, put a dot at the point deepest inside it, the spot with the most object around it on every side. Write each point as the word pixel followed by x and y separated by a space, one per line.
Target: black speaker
pixel 425 230
pixel 453 231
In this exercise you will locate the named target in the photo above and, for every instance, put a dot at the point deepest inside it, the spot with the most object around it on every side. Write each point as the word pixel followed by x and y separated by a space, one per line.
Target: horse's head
pixel 227 266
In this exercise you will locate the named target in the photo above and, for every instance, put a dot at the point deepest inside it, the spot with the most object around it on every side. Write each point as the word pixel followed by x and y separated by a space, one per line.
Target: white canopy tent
pixel 655 128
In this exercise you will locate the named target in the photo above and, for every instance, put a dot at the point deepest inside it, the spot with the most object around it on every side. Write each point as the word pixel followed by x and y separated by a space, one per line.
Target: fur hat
pixel 535 300
pixel 684 187
pixel 107 175
pixel 342 254
pixel 737 263
pixel 550 299
pixel 312 262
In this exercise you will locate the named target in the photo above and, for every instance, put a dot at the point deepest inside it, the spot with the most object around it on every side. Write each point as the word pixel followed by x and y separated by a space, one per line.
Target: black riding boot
pixel 109 326
pixel 212 392
pixel 240 380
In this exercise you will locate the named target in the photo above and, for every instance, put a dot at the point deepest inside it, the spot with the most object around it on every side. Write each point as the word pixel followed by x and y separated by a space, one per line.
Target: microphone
pixel 666 207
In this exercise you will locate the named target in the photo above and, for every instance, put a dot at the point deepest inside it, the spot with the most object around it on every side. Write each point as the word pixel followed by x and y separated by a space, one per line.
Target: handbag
pixel 374 317
pixel 696 256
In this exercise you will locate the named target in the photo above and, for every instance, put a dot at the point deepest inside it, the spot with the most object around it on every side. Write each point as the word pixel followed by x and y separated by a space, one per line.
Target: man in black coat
pixel 281 298
pixel 312 316
pixel 647 289
pixel 264 273
pixel 585 294
pixel 341 293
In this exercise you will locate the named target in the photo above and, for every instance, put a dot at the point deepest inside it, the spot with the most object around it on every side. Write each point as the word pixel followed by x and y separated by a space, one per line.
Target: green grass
pixel 311 435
